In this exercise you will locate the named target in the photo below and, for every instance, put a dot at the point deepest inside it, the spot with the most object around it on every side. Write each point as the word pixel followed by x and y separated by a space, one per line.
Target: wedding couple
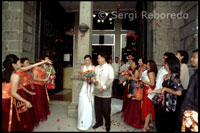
pixel 95 98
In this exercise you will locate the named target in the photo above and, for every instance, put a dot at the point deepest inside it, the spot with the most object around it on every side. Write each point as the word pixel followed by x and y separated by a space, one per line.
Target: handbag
pixel 51 86
pixel 21 107
pixel 156 99
pixel 138 93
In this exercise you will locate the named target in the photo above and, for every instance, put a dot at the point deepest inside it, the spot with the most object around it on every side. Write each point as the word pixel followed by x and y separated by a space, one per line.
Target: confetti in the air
pixel 118 5
pixel 81 36
pixel 56 40
pixel 75 32
pixel 134 10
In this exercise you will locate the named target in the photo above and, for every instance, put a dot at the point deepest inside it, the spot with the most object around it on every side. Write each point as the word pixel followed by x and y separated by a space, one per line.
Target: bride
pixel 86 116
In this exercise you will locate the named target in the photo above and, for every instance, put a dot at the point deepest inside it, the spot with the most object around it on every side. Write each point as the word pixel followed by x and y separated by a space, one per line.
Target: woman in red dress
pixel 147 105
pixel 39 80
pixel 26 123
pixel 10 83
pixel 27 83
pixel 132 113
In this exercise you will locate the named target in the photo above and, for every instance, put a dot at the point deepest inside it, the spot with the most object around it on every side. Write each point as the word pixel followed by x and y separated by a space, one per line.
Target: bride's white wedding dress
pixel 86 112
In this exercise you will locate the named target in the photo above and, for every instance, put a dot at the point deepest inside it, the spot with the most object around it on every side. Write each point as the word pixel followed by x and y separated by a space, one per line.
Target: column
pixel 83 48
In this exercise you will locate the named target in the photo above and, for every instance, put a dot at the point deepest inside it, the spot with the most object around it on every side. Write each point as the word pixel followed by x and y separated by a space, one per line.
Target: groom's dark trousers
pixel 102 109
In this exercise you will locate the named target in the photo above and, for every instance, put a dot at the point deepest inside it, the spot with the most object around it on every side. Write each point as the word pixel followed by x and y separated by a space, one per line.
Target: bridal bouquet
pixel 88 74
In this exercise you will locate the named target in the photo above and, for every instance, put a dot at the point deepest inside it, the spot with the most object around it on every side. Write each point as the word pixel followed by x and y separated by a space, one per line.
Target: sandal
pixel 145 129
pixel 151 125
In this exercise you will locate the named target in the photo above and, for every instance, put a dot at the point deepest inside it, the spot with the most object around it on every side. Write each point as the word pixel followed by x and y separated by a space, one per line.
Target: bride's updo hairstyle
pixel 87 56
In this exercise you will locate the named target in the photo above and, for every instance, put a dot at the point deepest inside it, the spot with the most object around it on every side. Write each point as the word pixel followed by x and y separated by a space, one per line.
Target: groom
pixel 102 92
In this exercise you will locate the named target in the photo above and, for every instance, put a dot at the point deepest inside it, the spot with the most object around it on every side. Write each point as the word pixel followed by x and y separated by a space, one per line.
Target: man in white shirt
pixel 102 92
pixel 122 68
pixel 116 66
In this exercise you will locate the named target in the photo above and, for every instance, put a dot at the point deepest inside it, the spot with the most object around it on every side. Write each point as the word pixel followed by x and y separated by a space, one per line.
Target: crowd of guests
pixel 24 93
pixel 148 94
pixel 162 95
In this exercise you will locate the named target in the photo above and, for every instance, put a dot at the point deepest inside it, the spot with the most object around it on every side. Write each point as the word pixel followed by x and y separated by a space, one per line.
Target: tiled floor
pixel 59 121
pixel 65 95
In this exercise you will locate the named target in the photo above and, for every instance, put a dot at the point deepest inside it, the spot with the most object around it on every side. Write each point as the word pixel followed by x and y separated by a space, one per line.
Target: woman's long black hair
pixel 23 60
pixel 153 67
pixel 8 68
pixel 173 64
pixel 185 56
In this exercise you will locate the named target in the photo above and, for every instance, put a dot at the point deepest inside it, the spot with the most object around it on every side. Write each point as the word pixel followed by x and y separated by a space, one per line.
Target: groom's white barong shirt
pixel 104 77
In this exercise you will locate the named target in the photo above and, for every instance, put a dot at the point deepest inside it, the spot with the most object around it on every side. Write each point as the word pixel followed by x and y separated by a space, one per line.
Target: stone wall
pixel 12 28
pixel 18 29
pixel 189 29
pixel 166 35
pixel 170 35
pixel 29 22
